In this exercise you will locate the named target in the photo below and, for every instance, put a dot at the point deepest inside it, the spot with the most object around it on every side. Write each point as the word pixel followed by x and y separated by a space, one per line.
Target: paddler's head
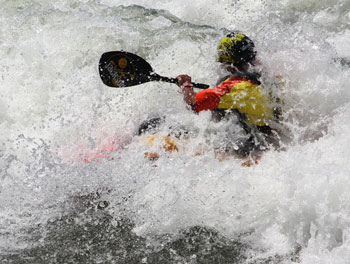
pixel 236 49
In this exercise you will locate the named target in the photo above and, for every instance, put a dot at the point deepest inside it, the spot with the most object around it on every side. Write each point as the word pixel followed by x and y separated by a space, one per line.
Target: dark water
pixel 89 234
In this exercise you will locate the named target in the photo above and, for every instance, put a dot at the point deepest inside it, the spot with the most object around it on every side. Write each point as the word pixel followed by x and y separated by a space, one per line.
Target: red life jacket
pixel 241 94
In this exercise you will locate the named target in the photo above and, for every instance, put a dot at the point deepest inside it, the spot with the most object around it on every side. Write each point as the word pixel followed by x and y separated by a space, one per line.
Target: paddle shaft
pixel 156 77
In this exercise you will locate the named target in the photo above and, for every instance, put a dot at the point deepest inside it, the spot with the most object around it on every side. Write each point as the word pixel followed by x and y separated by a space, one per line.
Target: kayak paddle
pixel 124 69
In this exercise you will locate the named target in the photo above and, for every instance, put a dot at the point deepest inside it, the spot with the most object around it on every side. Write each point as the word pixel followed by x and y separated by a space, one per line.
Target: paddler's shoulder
pixel 252 77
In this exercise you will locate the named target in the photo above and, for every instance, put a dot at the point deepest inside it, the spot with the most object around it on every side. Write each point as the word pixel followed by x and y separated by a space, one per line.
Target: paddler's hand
pixel 183 79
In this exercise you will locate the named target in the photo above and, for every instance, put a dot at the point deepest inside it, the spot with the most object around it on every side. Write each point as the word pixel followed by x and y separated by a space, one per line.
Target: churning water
pixel 294 206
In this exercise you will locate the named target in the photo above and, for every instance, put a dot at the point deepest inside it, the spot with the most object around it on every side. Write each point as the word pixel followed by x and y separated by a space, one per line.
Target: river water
pixel 293 207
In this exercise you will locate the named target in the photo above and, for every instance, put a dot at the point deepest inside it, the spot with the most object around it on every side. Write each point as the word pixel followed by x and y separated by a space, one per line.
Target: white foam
pixel 52 100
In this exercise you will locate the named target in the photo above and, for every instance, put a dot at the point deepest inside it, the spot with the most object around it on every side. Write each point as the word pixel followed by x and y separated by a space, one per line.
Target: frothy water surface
pixel 291 207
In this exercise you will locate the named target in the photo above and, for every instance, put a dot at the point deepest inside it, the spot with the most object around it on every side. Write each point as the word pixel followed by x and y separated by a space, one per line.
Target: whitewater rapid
pixel 53 107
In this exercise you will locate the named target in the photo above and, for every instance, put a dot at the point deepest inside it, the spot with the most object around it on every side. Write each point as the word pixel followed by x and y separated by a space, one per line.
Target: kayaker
pixel 239 94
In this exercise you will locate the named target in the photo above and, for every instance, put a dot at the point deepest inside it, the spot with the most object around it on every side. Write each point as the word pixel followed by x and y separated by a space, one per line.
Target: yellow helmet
pixel 236 48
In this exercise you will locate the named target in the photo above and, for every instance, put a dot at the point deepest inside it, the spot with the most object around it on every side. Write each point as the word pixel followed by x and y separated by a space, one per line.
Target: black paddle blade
pixel 123 69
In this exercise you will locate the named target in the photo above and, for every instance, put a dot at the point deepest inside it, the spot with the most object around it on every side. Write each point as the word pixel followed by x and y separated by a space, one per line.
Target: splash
pixel 292 206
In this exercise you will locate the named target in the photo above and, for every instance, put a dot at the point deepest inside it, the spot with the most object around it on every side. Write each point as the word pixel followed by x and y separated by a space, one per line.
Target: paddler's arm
pixel 207 99
pixel 184 81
